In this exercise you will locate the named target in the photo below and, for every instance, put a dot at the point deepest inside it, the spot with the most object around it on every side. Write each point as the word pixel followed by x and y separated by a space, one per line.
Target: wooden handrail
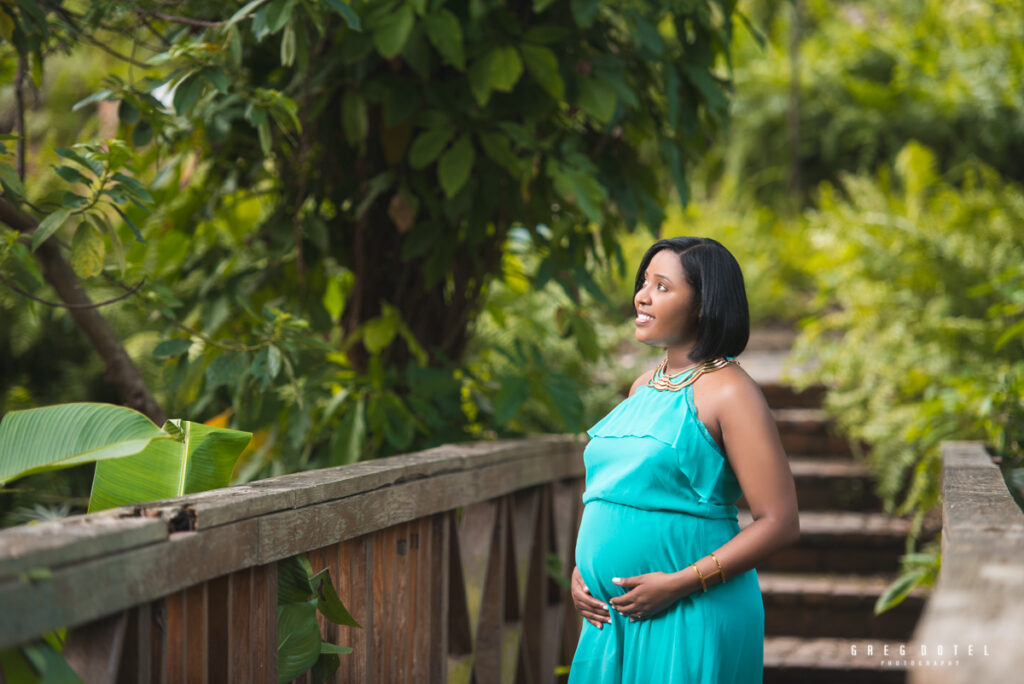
pixel 976 604
pixel 139 569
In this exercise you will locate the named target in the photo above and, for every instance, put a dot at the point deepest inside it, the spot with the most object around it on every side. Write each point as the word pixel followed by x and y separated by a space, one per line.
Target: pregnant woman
pixel 664 577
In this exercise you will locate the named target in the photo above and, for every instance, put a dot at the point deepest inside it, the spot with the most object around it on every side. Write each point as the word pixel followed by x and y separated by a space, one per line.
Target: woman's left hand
pixel 648 594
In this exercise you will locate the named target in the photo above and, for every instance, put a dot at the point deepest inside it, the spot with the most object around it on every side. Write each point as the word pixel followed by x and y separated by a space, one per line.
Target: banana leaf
pixel 63 435
pixel 197 458
pixel 135 460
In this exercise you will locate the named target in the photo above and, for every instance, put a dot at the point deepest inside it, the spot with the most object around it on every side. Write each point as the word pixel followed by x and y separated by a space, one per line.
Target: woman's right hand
pixel 595 611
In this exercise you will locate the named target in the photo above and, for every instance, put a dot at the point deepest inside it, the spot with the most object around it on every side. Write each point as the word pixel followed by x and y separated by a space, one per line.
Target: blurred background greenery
pixel 867 179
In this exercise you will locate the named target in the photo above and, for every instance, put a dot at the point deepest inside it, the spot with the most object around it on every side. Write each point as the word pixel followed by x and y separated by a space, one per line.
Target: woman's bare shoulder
pixel 726 384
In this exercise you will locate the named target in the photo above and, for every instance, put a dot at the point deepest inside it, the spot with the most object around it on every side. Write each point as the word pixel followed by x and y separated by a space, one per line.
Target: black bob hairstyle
pixel 723 327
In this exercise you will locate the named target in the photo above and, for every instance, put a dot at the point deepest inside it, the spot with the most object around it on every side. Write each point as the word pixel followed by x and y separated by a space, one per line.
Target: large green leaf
pixel 199 457
pixel 330 605
pixel 390 34
pixel 298 639
pixel 506 68
pixel 542 64
pixel 455 165
pixel 51 437
pixel 445 32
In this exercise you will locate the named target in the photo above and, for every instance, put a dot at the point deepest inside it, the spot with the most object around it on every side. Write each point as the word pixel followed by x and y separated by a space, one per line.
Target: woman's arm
pixel 755 452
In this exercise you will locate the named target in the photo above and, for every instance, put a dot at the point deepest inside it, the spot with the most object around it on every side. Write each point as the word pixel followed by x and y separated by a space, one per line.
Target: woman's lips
pixel 643 319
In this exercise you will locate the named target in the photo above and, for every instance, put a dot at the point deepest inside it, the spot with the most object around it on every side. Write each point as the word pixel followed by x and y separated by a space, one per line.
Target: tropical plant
pixel 872 75
pixel 138 462
pixel 300 594
pixel 135 462
pixel 313 198
pixel 920 275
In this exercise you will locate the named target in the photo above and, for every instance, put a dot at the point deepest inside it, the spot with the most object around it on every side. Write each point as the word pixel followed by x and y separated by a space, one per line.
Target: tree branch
pixel 7 281
pixel 121 371
pixel 188 21
pixel 19 120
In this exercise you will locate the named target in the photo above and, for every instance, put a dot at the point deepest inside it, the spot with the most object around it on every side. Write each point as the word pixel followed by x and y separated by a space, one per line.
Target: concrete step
pixel 836 605
pixel 808 432
pixel 842 542
pixel 824 482
pixel 782 396
pixel 827 660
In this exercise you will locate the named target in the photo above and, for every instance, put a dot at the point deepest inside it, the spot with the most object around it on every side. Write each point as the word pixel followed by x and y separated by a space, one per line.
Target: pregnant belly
pixel 615 540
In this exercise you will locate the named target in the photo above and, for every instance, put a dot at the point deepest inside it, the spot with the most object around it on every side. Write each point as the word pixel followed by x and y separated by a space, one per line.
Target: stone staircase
pixel 819 594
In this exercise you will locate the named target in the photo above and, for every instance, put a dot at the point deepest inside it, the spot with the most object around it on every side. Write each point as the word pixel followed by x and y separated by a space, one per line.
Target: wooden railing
pixel 975 614
pixel 442 556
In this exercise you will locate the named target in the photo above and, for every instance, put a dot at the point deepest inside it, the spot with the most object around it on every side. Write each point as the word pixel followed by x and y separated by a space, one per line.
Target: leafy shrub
pixel 873 76
pixel 920 276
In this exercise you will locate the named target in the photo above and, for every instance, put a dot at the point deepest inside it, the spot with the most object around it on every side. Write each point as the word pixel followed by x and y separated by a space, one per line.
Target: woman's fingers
pixel 595 617
pixel 597 606
pixel 594 610
pixel 591 609
pixel 585 602
pixel 577 579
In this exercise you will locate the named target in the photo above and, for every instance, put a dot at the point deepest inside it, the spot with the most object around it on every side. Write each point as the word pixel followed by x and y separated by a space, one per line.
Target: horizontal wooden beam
pixel 142 553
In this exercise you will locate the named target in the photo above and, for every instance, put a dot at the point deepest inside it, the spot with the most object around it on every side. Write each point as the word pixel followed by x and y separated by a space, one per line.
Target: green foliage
pixel 197 458
pixel 318 200
pixel 920 275
pixel 917 569
pixel 873 76
pixel 300 594
pixel 770 248
pixel 136 460
pixel 35 440
pixel 39 662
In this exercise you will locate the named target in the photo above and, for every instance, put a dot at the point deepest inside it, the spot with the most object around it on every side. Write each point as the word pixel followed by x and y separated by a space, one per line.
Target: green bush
pixel 874 75
pixel 920 278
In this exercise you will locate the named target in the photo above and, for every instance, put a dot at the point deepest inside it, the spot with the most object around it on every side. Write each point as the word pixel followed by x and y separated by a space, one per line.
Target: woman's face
pixel 665 304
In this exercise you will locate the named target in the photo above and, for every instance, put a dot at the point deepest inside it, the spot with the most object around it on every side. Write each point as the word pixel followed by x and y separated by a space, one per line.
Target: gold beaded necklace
pixel 660 380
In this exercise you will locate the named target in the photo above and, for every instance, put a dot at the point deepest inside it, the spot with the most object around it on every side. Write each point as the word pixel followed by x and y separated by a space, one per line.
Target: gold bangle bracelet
pixel 700 576
pixel 720 570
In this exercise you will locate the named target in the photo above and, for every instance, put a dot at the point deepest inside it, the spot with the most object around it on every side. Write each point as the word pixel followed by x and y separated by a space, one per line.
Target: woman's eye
pixel 659 285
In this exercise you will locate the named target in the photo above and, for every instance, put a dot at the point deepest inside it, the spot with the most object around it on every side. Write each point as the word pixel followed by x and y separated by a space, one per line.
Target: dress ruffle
pixel 670 417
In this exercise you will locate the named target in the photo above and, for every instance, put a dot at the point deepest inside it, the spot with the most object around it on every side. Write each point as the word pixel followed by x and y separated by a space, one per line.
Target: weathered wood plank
pixel 489 623
pixel 177 625
pixel 401 636
pixel 158 641
pixel 264 628
pixel 122 580
pixel 186 558
pixel 94 651
pixel 295 490
pixel 240 620
pixel 286 533
pixel 129 671
pixel 221 574
pixel 536 584
pixel 346 594
pixel 459 623
pixel 419 589
pixel 440 583
pixel 218 620
pixel 196 635
pixel 74 539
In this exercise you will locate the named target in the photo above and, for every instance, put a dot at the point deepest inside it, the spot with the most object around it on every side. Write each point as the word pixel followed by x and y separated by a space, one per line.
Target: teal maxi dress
pixel 660 495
